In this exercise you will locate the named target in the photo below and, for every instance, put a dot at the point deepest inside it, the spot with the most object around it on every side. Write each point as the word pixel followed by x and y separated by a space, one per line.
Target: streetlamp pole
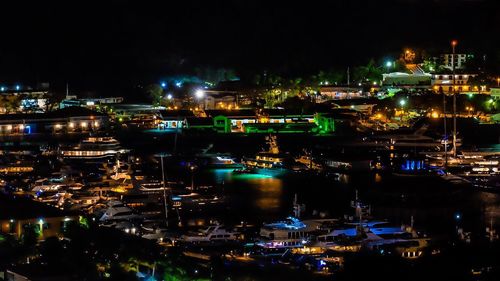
pixel 453 44
pixel 445 133
pixel 192 177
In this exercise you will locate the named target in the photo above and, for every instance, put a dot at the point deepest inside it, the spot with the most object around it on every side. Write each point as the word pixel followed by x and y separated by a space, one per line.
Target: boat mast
pixel 164 191
pixel 453 44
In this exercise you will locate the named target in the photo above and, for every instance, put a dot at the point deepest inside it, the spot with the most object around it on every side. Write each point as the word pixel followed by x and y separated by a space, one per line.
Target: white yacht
pixel 289 233
pixel 118 211
pixel 211 234
pixel 377 235
pixel 94 148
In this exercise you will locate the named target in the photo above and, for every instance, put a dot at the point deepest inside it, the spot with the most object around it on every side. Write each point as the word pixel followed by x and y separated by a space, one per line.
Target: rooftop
pixel 24 208
pixel 72 111
pixel 176 113
pixel 237 112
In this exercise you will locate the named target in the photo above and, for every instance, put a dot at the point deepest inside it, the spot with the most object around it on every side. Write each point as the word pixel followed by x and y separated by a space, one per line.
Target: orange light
pixel 454 43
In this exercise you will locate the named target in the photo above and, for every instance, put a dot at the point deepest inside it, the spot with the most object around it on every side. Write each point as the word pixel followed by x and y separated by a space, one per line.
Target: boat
pixel 308 160
pixel 118 211
pixel 94 148
pixel 216 160
pixel 43 185
pixel 376 236
pixel 289 233
pixel 212 233
pixel 272 162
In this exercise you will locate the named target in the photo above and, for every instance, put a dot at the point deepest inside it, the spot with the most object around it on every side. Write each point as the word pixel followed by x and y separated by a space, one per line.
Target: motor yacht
pixel 94 148
pixel 212 233
pixel 272 162
pixel 118 211
pixel 216 160
pixel 289 233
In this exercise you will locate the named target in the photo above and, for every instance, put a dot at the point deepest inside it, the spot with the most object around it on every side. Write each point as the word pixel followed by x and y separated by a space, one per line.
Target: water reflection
pixel 259 197
pixel 490 207
pixel 269 193
pixel 265 193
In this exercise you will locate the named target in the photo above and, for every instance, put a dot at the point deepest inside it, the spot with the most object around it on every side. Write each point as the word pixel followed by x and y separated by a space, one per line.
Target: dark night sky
pixel 110 46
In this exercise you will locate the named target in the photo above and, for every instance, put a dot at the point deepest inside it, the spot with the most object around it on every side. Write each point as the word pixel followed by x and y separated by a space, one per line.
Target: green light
pixel 470 96
pixel 250 176
pixel 491 101
pixel 402 102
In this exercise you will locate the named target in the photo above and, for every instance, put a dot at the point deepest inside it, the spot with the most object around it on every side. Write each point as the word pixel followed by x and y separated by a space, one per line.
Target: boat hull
pixel 273 172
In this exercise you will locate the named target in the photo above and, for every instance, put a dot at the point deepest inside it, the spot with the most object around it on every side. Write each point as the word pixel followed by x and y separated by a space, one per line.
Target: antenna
pixel 348 78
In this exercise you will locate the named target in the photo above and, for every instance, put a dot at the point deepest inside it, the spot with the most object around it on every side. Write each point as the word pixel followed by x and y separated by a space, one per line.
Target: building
pixel 220 102
pixel 360 105
pixel 340 92
pixel 282 121
pixel 200 123
pixel 227 121
pixel 89 102
pixel 246 121
pixel 17 215
pixel 24 98
pixel 173 119
pixel 444 83
pixel 67 120
pixel 406 80
pixel 447 60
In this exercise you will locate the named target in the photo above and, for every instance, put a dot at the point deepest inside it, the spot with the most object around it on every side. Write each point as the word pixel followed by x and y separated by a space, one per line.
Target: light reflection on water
pixel 490 205
pixel 260 195
pixel 267 192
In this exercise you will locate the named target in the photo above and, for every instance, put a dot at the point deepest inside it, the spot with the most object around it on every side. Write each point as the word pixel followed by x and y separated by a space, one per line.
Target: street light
pixel 199 94
pixel 169 96
pixel 388 64
pixel 402 102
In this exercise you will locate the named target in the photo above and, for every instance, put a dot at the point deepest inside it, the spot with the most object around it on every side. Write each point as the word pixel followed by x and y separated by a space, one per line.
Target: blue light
pixel 18 87
pixel 322 263
pixel 2 89
pixel 458 216
pixel 178 84
pixel 163 84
